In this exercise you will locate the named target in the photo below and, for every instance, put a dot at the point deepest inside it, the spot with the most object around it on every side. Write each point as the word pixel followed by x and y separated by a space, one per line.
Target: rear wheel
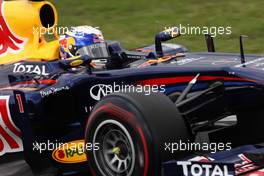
pixel 131 130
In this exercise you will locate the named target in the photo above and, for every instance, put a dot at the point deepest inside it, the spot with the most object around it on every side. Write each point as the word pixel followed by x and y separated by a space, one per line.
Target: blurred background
pixel 135 22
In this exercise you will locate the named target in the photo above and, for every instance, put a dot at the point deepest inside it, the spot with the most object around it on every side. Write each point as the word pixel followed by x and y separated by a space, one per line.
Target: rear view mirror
pixel 163 36
pixel 169 34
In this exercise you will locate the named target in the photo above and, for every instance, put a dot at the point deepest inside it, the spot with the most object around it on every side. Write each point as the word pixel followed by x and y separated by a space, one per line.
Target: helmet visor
pixel 97 50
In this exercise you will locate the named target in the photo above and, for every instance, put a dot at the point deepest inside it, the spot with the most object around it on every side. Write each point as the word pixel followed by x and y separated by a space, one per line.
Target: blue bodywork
pixel 56 105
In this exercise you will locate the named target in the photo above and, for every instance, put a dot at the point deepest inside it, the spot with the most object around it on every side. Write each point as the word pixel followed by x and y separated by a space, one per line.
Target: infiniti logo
pixel 100 90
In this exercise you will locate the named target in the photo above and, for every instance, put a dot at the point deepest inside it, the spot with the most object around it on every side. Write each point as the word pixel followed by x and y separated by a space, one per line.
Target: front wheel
pixel 131 130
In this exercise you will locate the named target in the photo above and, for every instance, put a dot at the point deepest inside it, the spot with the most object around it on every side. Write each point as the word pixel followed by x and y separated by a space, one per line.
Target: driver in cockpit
pixel 85 40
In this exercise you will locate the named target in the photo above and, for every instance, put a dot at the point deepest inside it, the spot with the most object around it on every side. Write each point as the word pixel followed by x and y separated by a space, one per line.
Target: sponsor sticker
pixel 76 63
pixel 258 62
pixel 193 168
pixel 53 91
pixel 9 41
pixel 10 134
pixel 188 60
pixel 98 91
pixel 30 68
pixel 71 152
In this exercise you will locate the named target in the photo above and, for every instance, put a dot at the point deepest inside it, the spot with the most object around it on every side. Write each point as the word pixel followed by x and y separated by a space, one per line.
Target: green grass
pixel 135 22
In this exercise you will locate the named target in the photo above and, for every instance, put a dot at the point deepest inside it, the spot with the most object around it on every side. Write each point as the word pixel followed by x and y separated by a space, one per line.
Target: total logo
pixel 30 68
pixel 188 168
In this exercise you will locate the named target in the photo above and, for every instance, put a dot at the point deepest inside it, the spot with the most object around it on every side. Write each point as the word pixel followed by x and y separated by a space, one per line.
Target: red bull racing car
pixel 83 105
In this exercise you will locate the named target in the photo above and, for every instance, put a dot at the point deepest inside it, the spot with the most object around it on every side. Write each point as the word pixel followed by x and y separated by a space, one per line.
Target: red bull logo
pixel 9 42
pixel 10 134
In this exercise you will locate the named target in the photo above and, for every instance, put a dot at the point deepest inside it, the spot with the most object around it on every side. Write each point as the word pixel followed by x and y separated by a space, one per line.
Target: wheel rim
pixel 117 155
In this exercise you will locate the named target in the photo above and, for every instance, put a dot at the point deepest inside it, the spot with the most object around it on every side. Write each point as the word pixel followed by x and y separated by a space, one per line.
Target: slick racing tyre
pixel 131 130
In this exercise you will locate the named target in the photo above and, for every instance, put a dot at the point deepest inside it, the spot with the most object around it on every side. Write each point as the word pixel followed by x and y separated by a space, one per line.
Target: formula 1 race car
pixel 81 104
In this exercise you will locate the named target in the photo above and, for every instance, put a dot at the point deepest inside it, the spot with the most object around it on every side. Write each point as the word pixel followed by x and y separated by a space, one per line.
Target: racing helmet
pixel 83 40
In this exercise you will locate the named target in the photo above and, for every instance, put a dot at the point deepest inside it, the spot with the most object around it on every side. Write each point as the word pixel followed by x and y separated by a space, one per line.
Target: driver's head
pixel 83 40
